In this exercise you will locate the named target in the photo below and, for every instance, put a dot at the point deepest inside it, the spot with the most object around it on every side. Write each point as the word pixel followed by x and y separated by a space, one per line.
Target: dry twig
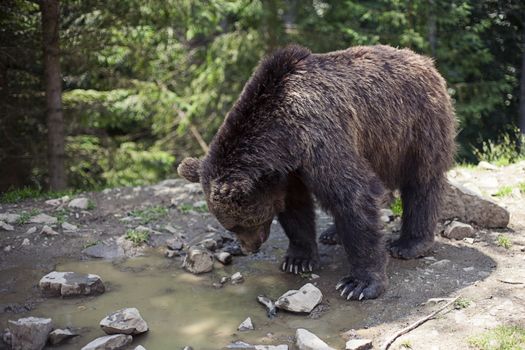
pixel 416 324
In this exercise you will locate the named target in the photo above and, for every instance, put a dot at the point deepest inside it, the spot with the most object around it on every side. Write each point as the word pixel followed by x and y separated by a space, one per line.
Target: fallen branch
pixel 511 282
pixel 416 324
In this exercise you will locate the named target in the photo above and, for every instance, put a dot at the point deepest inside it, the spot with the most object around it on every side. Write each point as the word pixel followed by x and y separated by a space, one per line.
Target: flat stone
pixel 71 284
pixel 6 227
pixel 440 263
pixel 43 219
pixel 237 278
pixel 246 325
pixel 224 257
pixel 105 251
pixel 79 203
pixel 209 244
pixel 9 218
pixel 302 300
pixel 48 231
pixel 306 340
pixel 31 230
pixel 467 206
pixel 58 335
pixel 53 202
pixel 26 242
pixel 198 260
pixel 125 321
pixel 139 347
pixel 69 227
pixel 245 346
pixel 487 166
pixel 109 342
pixel 458 230
pixel 358 344
pixel 30 333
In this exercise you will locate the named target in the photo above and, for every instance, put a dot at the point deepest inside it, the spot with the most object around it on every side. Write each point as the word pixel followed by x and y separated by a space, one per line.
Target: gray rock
pixel 302 300
pixel 79 203
pixel 209 244
pixel 31 230
pixel 224 257
pixel 48 231
pixel 58 335
pixel 43 219
pixel 306 340
pixel 487 166
pixel 105 251
pixel 9 218
pixel 30 333
pixel 198 260
pixel 245 346
pixel 187 348
pixel 358 344
pixel 237 278
pixel 125 321
pixel 26 242
pixel 53 202
pixel 7 337
pixel 246 325
pixel 69 227
pixel 175 243
pixel 139 347
pixel 170 254
pixel 6 227
pixel 467 206
pixel 109 342
pixel 458 230
pixel 440 264
pixel 71 284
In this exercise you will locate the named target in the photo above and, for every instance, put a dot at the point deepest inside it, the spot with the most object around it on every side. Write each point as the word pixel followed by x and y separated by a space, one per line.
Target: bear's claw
pixel 297 265
pixel 359 289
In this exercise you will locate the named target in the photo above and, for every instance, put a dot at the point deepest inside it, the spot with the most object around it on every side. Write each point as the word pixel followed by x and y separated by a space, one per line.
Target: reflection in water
pixel 180 308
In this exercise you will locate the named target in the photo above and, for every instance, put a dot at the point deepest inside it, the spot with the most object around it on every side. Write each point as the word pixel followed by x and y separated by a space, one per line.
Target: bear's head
pixel 239 202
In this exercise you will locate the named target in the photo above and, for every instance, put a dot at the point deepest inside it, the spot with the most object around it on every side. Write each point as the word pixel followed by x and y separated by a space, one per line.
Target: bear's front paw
pixel 410 249
pixel 361 288
pixel 296 265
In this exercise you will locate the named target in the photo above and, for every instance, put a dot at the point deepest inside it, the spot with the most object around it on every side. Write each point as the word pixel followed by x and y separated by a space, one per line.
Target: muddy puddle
pixel 180 308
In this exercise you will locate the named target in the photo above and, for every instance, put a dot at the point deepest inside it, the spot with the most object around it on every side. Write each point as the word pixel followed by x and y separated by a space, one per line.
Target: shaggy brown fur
pixel 342 127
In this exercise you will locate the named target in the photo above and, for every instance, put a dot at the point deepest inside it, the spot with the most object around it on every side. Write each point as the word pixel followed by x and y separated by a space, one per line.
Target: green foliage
pixel 501 152
pixel 504 191
pixel 462 303
pixel 187 207
pixel 397 207
pixel 504 241
pixel 505 337
pixel 150 214
pixel 137 237
pixel 61 215
pixel 26 216
pixel 19 194
pixel 521 187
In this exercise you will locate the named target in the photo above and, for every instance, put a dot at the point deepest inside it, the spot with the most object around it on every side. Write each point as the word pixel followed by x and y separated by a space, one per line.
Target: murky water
pixel 183 309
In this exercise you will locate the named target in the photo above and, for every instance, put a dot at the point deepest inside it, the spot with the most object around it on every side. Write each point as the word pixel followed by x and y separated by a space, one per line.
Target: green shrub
pixel 137 237
pixel 501 152
pixel 500 338
pixel 504 241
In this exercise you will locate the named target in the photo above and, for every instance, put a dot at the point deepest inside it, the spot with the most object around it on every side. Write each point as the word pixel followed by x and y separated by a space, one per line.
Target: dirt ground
pixel 489 278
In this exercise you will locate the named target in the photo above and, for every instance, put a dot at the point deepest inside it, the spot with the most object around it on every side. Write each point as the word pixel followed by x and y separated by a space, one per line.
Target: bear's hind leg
pixel 298 222
pixel 421 203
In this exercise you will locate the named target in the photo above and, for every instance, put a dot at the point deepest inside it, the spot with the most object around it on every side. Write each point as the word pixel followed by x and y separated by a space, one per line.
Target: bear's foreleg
pixel 298 222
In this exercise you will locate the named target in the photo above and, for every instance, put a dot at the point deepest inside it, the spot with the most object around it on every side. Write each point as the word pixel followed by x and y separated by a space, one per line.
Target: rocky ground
pixel 483 266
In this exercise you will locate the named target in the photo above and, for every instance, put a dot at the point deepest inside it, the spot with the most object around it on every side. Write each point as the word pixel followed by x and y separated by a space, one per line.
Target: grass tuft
pixel 26 216
pixel 16 195
pixel 397 207
pixel 137 237
pixel 150 214
pixel 504 191
pixel 462 303
pixel 185 208
pixel 500 338
pixel 504 241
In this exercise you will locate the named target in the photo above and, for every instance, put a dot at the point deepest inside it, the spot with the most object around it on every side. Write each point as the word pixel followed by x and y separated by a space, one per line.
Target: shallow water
pixel 182 309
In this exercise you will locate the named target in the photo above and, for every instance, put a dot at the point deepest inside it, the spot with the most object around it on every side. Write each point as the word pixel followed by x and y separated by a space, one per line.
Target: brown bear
pixel 342 126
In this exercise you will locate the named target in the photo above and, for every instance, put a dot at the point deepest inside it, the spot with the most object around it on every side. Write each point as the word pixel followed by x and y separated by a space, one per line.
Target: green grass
pixel 26 216
pixel 469 166
pixel 137 237
pixel 61 215
pixel 397 207
pixel 407 344
pixel 500 338
pixel 504 191
pixel 91 243
pixel 185 208
pixel 521 187
pixel 150 214
pixel 19 194
pixel 504 241
pixel 462 303
pixel 91 205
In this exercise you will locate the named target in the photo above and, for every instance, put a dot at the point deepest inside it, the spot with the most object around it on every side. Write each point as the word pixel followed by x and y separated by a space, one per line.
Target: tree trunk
pixel 522 93
pixel 53 86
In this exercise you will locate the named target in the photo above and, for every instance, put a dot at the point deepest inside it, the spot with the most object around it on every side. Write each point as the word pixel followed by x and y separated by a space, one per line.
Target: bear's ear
pixel 229 191
pixel 190 169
